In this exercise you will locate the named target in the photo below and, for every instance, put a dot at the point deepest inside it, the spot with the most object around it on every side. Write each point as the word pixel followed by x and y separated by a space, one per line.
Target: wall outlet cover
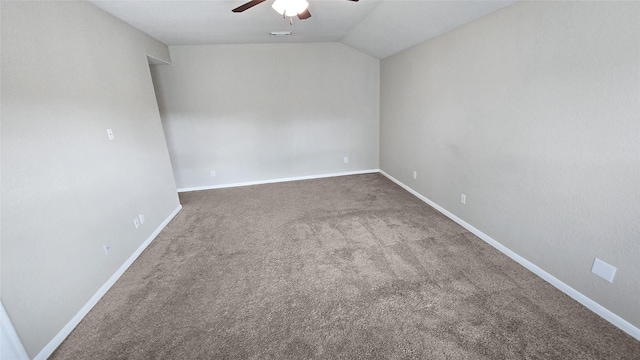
pixel 603 270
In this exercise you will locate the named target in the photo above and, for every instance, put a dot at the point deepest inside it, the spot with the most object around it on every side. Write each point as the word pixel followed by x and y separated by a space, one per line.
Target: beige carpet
pixel 342 268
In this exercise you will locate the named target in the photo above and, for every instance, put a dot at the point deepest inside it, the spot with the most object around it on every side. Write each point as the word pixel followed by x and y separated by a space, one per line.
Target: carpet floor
pixel 350 267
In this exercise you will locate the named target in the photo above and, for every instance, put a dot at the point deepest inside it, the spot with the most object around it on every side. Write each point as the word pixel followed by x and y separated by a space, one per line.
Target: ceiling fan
pixel 285 8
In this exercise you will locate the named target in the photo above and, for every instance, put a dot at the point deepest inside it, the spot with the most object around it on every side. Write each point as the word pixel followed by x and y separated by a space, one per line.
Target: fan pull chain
pixel 291 20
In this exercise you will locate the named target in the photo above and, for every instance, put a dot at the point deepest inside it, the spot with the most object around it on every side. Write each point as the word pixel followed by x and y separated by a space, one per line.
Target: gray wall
pixel 260 112
pixel 69 72
pixel 533 113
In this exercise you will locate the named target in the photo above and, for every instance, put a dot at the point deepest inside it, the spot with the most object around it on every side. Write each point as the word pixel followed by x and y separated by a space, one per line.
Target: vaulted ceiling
pixel 379 28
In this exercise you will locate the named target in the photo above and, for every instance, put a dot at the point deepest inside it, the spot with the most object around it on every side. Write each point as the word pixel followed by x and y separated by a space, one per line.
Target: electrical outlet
pixel 213 173
pixel 463 198
pixel 603 270
pixel 415 174
pixel 141 216
pixel 107 249
pixel 346 159
pixel 110 134
pixel 136 222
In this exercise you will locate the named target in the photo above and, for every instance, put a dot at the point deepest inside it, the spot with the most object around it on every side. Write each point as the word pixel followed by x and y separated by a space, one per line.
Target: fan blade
pixel 248 5
pixel 304 15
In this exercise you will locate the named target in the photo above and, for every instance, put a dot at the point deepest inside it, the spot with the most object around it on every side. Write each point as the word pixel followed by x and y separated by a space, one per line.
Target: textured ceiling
pixel 378 28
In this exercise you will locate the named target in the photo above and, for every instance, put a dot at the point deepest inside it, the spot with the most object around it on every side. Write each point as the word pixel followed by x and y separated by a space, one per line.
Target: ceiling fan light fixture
pixel 290 7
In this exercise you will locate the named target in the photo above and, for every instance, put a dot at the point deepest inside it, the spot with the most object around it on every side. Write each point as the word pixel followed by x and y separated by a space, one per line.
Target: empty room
pixel 320 179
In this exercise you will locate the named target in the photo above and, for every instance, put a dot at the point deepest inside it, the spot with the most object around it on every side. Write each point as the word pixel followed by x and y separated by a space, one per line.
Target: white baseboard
pixel 271 181
pixel 606 314
pixel 66 330
pixel 11 346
